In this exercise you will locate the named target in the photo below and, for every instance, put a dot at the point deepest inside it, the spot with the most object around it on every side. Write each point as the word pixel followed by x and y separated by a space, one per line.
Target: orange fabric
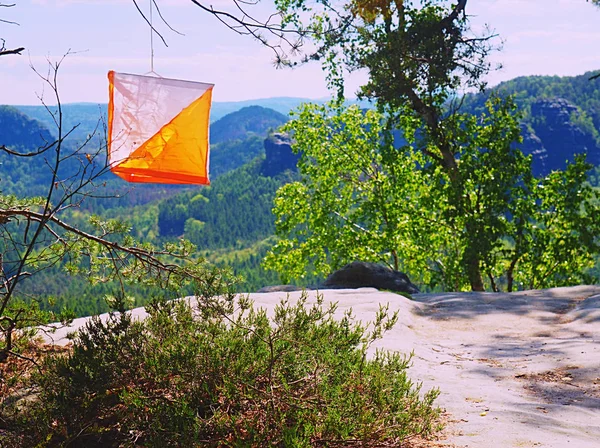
pixel 111 107
pixel 178 152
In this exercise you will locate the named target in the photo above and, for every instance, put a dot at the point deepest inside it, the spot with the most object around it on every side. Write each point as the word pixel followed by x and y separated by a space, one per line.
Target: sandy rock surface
pixel 514 370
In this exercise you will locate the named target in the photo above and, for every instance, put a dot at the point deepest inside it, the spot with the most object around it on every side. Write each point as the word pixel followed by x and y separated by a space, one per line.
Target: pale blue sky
pixel 541 37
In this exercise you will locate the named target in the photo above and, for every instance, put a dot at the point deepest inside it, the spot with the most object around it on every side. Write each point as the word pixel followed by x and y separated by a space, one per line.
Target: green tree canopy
pixel 362 197
pixel 466 170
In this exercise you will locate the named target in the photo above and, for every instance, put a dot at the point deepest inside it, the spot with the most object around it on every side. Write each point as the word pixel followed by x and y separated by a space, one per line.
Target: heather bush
pixel 227 374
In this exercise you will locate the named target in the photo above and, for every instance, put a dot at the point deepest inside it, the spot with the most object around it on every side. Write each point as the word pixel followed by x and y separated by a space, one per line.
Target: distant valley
pixel 561 116
pixel 231 221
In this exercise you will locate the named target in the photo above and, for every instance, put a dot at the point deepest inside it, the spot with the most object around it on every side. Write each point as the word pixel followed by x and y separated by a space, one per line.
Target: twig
pixel 15 51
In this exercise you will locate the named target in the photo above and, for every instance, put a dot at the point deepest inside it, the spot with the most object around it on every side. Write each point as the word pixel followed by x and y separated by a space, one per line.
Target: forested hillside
pixel 246 122
pixel 237 207
pixel 231 221
pixel 24 134
pixel 578 90
pixel 239 140
pixel 561 117
pixel 21 131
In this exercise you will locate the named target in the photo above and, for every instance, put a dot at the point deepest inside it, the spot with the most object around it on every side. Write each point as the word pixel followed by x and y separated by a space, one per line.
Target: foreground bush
pixel 188 378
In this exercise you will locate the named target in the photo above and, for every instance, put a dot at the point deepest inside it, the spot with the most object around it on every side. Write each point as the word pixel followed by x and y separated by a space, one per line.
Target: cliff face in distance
pixel 278 155
pixel 231 221
pixel 560 117
pixel 554 136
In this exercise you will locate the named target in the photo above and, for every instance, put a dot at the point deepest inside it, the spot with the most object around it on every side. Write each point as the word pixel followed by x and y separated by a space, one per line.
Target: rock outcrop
pixel 553 138
pixel 533 145
pixel 279 155
pixel 359 274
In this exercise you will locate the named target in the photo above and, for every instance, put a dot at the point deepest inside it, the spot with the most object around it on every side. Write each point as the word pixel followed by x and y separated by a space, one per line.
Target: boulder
pixel 359 274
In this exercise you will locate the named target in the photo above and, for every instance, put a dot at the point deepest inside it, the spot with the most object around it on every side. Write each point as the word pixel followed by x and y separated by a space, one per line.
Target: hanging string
pixel 153 30
pixel 151 41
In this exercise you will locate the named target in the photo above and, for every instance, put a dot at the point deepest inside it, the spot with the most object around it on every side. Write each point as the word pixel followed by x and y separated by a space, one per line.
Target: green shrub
pixel 188 377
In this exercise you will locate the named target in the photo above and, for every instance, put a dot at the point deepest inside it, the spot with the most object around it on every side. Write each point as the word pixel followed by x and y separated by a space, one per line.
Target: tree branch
pixel 15 51
pixel 149 24
pixel 458 9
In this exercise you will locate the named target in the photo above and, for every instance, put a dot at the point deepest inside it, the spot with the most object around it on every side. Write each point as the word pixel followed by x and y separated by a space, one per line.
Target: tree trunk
pixel 395 257
pixel 509 280
pixel 493 282
pixel 474 272
pixel 509 275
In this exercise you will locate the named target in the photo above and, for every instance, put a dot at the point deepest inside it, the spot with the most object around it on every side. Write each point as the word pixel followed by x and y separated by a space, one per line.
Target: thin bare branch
pixel 163 19
pixel 150 24
pixel 25 358
pixel 41 150
pixel 15 51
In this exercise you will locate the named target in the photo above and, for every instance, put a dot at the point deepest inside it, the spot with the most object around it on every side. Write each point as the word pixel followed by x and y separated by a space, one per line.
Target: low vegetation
pixel 208 376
